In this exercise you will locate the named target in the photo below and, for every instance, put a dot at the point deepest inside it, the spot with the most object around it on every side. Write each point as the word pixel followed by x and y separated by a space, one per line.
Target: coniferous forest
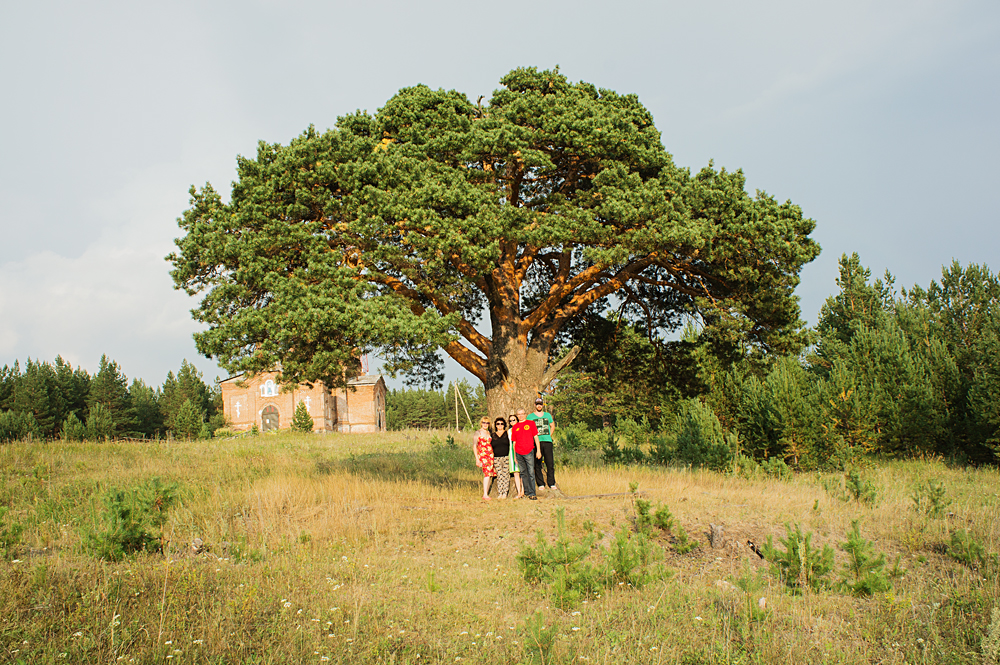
pixel 886 371
pixel 54 400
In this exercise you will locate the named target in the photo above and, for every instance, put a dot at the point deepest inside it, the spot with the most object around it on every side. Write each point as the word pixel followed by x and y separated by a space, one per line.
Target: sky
pixel 880 119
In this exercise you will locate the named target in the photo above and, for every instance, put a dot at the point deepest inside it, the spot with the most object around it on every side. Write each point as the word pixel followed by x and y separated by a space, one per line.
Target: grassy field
pixel 378 548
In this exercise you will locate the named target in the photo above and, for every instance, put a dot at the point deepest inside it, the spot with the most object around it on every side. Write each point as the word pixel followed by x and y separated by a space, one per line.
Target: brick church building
pixel 259 399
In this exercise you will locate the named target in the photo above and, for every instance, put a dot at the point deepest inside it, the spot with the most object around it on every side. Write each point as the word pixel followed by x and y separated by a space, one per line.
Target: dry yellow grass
pixel 377 548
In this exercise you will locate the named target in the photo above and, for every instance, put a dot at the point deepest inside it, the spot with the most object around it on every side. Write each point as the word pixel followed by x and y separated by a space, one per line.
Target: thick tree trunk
pixel 517 373
pixel 514 379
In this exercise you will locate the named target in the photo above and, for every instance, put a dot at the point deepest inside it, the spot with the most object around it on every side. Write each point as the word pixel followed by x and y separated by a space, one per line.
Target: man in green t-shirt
pixel 545 426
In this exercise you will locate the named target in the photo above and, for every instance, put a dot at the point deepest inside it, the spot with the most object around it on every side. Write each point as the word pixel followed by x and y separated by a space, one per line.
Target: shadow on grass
pixel 440 466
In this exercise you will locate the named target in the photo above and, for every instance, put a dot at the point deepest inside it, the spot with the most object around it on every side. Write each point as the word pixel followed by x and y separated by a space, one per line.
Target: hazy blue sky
pixel 878 118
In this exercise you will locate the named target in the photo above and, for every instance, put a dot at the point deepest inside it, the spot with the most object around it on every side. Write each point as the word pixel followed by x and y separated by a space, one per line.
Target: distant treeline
pixel 432 409
pixel 907 373
pixel 54 400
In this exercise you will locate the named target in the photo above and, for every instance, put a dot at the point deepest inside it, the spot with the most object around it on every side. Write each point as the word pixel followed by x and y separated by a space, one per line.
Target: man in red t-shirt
pixel 524 436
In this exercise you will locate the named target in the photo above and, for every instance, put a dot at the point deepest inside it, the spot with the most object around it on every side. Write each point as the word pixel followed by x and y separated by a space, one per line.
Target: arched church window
pixel 268 389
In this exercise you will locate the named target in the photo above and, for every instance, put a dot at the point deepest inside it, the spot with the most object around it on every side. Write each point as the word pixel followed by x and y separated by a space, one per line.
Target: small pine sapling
pixel 799 565
pixel 628 560
pixel 864 573
pixel 861 489
pixel 301 420
pixel 682 543
pixel 663 518
pixel 929 499
pixel 643 520
pixel 965 549
pixel 560 565
pixel 539 639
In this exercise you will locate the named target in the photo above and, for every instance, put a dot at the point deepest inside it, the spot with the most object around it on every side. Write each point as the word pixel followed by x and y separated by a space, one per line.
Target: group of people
pixel 517 448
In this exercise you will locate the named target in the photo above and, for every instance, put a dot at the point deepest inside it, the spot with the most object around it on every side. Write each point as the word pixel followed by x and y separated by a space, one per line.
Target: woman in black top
pixel 501 449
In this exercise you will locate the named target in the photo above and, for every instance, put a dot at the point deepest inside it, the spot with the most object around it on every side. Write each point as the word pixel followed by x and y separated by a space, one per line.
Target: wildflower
pixel 698 619
pixel 286 605
pixel 168 642
pixel 198 642
pixel 575 614
pixel 323 659
pixel 576 628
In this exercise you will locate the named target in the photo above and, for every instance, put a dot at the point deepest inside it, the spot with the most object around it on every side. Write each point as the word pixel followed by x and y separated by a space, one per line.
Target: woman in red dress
pixel 484 455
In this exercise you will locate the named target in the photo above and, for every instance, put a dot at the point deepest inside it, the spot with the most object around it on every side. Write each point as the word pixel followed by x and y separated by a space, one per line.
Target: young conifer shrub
pixel 73 429
pixel 301 420
pixel 561 566
pixel 861 489
pixel 539 639
pixel 629 560
pixel 188 421
pixel 930 499
pixel 682 543
pixel 701 440
pixel 611 452
pixel 133 520
pixel 965 549
pixel 17 425
pixel 864 573
pixel 799 565
pixel 646 517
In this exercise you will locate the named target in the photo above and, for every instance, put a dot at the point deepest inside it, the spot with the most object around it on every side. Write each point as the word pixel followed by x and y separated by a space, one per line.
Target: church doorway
pixel 269 418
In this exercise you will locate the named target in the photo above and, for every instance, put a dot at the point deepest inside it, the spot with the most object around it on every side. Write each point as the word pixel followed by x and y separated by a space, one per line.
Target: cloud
pixel 114 295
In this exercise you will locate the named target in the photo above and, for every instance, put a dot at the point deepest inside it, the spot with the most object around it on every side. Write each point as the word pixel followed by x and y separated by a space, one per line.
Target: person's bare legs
pixel 519 485
pixel 486 488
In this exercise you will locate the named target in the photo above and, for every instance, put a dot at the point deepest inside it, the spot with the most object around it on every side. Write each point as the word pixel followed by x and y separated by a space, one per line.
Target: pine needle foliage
pixel 629 560
pixel 864 573
pixel 561 565
pixel 301 420
pixel 133 520
pixel 799 565
pixel 861 489
pixel 930 499
pixel 965 549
